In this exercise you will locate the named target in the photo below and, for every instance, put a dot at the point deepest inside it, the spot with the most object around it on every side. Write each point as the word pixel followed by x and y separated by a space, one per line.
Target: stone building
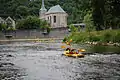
pixel 56 16
pixel 9 21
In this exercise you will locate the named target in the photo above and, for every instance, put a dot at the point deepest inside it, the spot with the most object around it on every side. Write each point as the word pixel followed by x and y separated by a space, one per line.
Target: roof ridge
pixel 55 9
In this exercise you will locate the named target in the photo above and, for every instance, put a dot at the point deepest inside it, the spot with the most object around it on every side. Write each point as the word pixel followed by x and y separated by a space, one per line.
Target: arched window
pixel 54 19
pixel 50 19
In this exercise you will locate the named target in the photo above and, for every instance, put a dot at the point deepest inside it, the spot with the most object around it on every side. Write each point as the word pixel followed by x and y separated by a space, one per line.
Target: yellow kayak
pixel 73 55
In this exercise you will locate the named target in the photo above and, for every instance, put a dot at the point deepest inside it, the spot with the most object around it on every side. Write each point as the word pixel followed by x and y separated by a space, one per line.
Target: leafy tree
pixel 89 22
pixel 29 23
pixel 73 28
pixel 33 23
pixel 3 26
pixel 98 13
pixel 22 11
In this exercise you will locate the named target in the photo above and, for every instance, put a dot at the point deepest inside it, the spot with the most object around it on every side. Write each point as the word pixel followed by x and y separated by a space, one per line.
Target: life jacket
pixel 67 52
pixel 71 52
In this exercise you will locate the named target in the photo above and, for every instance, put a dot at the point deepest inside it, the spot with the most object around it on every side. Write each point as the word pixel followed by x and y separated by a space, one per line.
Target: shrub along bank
pixel 95 37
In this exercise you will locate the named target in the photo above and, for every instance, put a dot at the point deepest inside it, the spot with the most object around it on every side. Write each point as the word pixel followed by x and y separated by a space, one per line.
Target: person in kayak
pixel 67 50
pixel 72 51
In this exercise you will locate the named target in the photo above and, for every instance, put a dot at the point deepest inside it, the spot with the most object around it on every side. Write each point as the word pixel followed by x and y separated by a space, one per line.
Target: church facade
pixel 55 16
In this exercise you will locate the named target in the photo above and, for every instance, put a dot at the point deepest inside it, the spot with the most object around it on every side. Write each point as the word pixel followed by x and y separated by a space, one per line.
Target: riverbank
pixel 105 37
pixel 33 40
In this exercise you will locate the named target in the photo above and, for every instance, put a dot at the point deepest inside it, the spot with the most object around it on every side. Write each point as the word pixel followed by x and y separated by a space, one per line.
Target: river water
pixel 44 61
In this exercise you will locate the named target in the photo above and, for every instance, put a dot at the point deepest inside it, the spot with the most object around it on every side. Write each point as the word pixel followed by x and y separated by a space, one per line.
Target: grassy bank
pixel 105 36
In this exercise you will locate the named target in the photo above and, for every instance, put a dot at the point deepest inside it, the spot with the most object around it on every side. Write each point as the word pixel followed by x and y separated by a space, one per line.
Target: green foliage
pixel 48 29
pixel 33 23
pixel 22 11
pixel 10 29
pixel 105 13
pixel 116 37
pixel 73 28
pixel 78 37
pixel 22 8
pixel 45 26
pixel 3 27
pixel 89 22
pixel 65 39
pixel 107 37
pixel 96 36
pixel 29 23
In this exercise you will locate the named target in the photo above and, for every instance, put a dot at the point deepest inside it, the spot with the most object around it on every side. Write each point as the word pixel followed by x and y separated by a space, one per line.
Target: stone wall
pixel 22 34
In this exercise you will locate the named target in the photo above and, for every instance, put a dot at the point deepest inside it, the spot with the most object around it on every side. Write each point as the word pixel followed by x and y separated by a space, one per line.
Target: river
pixel 44 61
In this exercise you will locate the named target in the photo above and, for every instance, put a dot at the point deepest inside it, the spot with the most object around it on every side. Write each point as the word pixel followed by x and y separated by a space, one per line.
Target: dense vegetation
pixel 104 13
pixel 32 22
pixel 104 36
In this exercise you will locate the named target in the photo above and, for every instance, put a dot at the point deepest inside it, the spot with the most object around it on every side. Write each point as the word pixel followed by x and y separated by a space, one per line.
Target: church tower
pixel 43 10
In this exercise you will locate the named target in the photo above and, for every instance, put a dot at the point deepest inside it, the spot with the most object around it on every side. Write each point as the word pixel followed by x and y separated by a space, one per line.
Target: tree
pixel 73 28
pixel 3 26
pixel 32 23
pixel 89 22
pixel 22 12
pixel 29 23
pixel 98 13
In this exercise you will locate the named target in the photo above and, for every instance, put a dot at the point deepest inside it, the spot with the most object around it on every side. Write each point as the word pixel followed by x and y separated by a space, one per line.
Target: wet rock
pixel 9 55
pixel 5 51
pixel 1 56
pixel 6 64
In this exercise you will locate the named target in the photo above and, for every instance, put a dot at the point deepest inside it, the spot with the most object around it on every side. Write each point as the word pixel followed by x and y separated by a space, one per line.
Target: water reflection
pixel 102 49
pixel 98 48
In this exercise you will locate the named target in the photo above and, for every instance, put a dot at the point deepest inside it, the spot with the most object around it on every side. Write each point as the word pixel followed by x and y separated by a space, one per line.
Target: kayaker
pixel 68 50
pixel 72 51
pixel 76 52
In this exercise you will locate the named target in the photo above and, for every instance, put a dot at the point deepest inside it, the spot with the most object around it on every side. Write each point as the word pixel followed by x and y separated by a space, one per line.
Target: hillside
pixel 105 13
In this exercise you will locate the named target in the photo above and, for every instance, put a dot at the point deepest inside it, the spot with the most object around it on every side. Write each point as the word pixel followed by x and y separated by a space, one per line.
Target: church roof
pixel 56 9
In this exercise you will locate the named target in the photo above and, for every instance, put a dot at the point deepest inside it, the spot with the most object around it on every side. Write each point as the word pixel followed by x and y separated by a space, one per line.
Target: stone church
pixel 56 16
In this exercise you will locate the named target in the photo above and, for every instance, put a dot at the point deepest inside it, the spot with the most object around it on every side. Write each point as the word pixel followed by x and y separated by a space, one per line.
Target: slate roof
pixel 55 9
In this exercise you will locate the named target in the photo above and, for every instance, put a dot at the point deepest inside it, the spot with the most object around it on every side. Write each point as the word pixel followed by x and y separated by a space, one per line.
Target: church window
pixel 54 19
pixel 48 18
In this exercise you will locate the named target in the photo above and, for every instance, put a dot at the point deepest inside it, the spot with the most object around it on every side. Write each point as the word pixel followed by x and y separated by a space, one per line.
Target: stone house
pixel 56 16
pixel 9 21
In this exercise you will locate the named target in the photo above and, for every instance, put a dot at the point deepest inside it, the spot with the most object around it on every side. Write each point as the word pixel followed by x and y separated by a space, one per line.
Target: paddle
pixel 81 50
pixel 63 46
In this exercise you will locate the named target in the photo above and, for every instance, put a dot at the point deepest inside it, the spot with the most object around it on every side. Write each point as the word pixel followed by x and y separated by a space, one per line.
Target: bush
pixel 29 23
pixel 73 28
pixel 96 36
pixel 116 37
pixel 107 36
pixel 88 20
pixel 3 27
